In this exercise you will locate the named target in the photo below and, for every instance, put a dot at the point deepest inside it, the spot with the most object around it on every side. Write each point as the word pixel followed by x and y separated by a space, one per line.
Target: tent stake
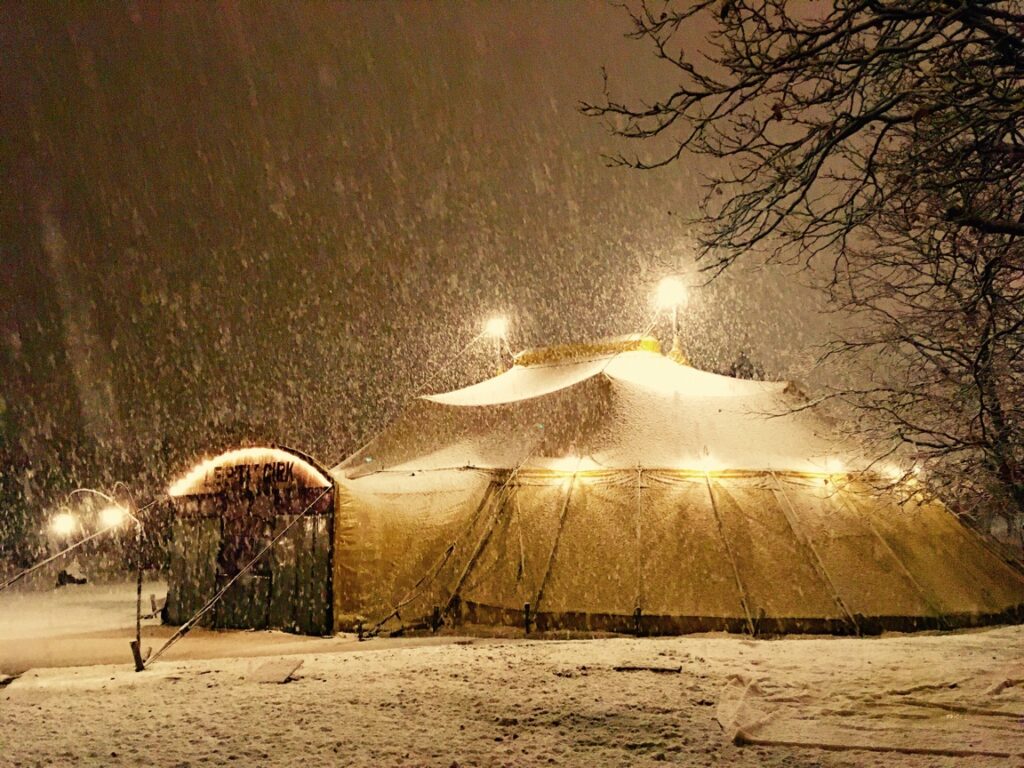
pixel 526 617
pixel 140 665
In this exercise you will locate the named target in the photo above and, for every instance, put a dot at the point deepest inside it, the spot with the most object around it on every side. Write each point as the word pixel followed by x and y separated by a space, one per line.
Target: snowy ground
pixel 93 624
pixel 459 701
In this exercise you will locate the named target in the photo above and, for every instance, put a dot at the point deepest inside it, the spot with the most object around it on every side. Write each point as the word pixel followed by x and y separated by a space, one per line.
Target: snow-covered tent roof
pixel 610 405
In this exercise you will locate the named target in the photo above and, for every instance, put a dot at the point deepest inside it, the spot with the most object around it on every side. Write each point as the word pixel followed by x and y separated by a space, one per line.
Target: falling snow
pixel 233 225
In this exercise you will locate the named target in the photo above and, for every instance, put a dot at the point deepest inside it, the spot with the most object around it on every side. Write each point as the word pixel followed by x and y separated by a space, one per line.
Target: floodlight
pixel 63 524
pixel 496 327
pixel 671 293
pixel 113 516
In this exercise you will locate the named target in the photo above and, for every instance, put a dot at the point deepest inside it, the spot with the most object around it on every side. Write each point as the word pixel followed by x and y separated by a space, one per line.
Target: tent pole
pixel 732 557
pixel 554 546
pixel 517 517
pixel 639 601
pixel 816 559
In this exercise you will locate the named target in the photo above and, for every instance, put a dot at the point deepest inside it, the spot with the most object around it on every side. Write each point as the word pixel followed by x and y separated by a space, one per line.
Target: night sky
pixel 225 223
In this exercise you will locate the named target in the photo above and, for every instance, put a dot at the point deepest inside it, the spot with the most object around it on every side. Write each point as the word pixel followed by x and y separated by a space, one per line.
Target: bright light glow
pixel 671 293
pixel 564 464
pixel 496 327
pixel 708 464
pixel 63 524
pixel 113 516
pixel 568 464
pixel 834 466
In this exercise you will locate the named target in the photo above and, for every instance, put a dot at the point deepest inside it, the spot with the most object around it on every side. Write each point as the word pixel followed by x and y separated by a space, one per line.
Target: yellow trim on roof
pixel 564 353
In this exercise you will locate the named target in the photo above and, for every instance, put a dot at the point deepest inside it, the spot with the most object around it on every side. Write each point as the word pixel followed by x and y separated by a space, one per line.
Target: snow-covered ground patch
pixel 90 624
pixel 533 702
pixel 72 609
pixel 913 700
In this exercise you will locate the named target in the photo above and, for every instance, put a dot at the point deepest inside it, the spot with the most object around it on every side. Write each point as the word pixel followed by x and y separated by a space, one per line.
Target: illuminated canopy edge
pixel 274 463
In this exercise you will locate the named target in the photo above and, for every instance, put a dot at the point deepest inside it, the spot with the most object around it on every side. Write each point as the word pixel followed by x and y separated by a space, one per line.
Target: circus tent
pixel 609 487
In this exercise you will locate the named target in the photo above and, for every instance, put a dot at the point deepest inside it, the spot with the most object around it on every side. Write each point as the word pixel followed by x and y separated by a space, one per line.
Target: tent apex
pixel 564 353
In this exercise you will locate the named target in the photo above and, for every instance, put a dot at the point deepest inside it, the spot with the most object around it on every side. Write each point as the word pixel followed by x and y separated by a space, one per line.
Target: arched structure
pixel 226 510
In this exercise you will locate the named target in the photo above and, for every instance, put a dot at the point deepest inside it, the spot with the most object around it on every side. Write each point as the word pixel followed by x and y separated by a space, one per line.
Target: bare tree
pixel 801 107
pixel 882 143
pixel 938 319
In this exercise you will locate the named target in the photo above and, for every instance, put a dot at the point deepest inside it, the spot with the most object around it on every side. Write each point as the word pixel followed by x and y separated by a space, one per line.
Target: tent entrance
pixel 229 515
pixel 246 528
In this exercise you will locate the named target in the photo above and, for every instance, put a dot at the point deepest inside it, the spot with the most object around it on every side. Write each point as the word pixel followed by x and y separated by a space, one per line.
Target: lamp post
pixel 671 295
pixel 64 525
pixel 111 517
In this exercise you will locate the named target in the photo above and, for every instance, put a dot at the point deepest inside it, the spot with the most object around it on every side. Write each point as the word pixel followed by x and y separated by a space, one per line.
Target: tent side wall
pixel 662 552
pixel 400 542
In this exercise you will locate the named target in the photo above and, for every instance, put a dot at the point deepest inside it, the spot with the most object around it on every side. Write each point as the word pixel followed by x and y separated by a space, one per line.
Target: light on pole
pixel 112 516
pixel 671 295
pixel 64 524
pixel 497 328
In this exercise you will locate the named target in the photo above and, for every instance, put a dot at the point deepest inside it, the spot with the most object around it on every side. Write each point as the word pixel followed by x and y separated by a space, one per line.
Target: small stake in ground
pixel 137 655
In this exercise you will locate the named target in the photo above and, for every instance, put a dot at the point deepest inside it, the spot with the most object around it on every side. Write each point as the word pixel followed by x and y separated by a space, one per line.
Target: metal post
pixel 639 597
pixel 137 645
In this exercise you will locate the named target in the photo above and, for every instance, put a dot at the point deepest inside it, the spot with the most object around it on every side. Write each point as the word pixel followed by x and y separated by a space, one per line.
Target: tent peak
pixel 565 353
